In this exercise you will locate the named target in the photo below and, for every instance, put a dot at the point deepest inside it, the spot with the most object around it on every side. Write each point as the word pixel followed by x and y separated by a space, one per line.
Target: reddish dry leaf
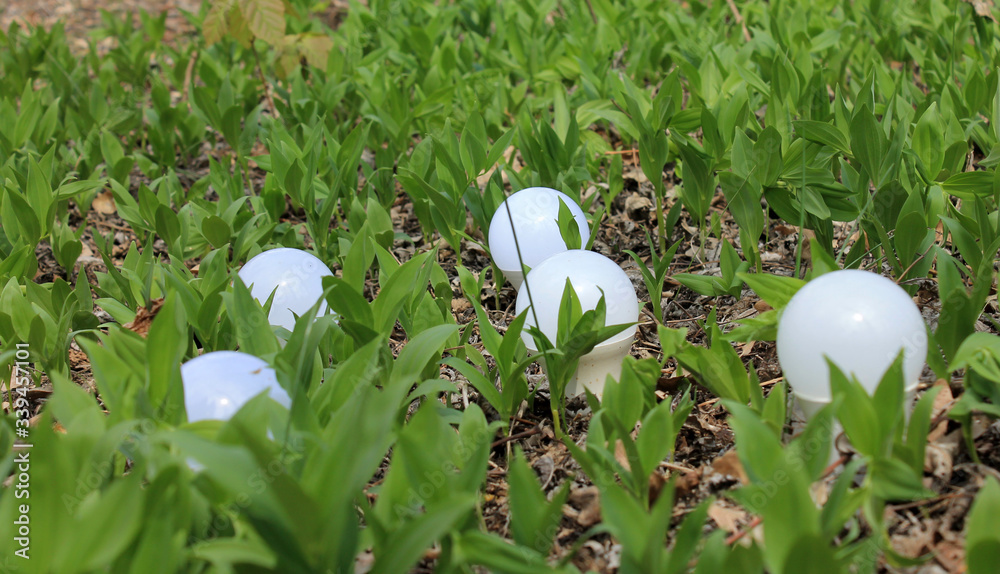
pixel 729 465
pixel 686 483
pixel 144 317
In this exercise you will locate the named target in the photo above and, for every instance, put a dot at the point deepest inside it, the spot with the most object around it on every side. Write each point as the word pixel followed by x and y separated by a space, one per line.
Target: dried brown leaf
pixel 983 8
pixel 144 317
pixel 725 517
pixel 104 203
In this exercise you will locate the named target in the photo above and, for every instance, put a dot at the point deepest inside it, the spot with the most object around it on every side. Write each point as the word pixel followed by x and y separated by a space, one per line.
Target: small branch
pixel 518 436
pixel 757 519
pixel 263 81
pixel 739 19
pixel 915 261
pixel 753 524
pixel 593 16
pixel 762 385
pixel 187 78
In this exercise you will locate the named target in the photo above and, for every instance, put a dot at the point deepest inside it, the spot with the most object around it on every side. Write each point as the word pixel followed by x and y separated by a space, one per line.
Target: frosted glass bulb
pixel 590 273
pixel 860 320
pixel 535 211
pixel 297 276
pixel 218 384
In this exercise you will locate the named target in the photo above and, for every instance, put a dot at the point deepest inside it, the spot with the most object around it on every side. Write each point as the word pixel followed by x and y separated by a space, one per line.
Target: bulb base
pixel 594 367
pixel 806 409
pixel 809 407
pixel 514 276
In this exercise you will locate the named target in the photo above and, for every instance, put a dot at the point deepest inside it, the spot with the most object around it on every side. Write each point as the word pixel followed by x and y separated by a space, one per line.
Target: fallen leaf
pixel 588 500
pixel 78 360
pixel 104 203
pixel 621 455
pixel 656 482
pixel 686 483
pixel 144 317
pixel 983 8
pixel 942 404
pixel 938 461
pixel 917 539
pixel 638 207
pixel 949 555
pixel 729 464
pixel 726 518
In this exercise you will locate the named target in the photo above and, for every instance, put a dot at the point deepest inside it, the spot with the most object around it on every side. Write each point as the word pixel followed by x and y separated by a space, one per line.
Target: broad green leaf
pixel 982 540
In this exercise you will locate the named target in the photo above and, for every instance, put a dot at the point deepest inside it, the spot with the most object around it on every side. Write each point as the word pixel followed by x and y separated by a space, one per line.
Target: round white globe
pixel 860 320
pixel 297 276
pixel 590 273
pixel 218 384
pixel 535 211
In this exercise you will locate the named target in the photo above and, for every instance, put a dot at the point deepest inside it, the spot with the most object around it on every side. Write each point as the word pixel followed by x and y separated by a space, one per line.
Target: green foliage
pixel 983 547
pixel 729 284
pixel 874 126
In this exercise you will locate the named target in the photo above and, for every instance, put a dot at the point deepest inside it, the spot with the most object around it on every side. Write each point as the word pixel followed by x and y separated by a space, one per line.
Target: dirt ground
pixel 705 464
pixel 81 16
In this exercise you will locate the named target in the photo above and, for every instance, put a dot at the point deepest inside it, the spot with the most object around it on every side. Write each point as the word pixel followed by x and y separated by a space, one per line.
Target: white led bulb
pixel 535 212
pixel 861 321
pixel 590 274
pixel 296 277
pixel 218 384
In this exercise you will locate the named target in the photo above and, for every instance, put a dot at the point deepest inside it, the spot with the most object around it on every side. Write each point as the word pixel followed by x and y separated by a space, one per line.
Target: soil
pixel 705 464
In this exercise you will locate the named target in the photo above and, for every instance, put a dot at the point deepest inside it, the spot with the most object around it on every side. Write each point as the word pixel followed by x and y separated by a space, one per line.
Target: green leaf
pixel 774 413
pixel 822 133
pixel 27 221
pixel 166 344
pixel 499 147
pixel 982 541
pixel 656 438
pixel 416 355
pixel 499 555
pixel 415 537
pixel 743 196
pixel 569 229
pixel 534 520
pixel 168 226
pixel 776 290
pixel 970 184
pixel 699 185
pixel 857 413
pixel 867 140
pixel 927 137
pixel 226 552
pixel 106 524
pixel 253 331
pixel 216 230
pixel 811 554
pixel 767 156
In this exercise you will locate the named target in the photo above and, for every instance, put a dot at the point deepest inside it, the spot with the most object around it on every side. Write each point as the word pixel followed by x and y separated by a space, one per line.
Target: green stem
pixel 661 232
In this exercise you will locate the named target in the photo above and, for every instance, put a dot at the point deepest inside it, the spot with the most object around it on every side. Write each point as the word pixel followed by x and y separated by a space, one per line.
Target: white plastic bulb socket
pixel 218 384
pixel 861 321
pixel 535 213
pixel 590 274
pixel 296 277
